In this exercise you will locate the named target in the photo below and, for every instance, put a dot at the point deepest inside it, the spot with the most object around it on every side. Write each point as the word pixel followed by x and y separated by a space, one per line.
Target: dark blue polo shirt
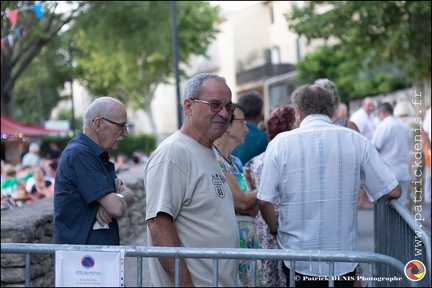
pixel 255 143
pixel 84 174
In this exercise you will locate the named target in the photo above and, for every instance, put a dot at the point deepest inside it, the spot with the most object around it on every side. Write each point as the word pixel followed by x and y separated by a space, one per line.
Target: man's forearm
pixel 164 234
pixel 267 211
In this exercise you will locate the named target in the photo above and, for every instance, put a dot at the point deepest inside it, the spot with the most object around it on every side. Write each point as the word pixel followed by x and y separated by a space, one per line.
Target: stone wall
pixel 32 223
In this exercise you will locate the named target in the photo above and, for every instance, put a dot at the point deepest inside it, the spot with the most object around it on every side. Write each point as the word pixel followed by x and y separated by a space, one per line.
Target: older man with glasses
pixel 189 202
pixel 88 196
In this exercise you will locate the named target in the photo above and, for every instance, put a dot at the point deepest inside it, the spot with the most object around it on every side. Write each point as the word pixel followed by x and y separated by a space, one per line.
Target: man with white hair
pixel 32 157
pixel 88 196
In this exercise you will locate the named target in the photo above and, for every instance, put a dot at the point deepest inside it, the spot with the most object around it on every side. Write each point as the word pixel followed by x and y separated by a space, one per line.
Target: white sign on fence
pixel 89 268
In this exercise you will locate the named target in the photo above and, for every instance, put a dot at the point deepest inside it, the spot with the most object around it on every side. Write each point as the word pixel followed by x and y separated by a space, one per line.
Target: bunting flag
pixel 18 32
pixel 13 16
pixel 37 9
pixel 10 39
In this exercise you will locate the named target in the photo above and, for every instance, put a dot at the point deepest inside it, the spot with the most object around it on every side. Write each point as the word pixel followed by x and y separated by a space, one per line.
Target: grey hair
pixel 313 99
pixel 331 87
pixel 98 108
pixel 193 86
pixel 34 147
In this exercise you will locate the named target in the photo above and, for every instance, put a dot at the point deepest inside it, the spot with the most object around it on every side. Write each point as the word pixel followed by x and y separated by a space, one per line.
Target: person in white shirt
pixel 32 157
pixel 392 138
pixel 366 122
pixel 364 118
pixel 315 172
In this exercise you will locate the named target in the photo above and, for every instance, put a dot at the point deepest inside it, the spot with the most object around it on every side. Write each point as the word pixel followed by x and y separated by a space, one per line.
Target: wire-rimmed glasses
pixel 216 106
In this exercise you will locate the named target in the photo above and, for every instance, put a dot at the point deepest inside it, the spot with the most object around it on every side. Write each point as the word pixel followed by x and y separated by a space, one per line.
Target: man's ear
pixel 97 124
pixel 187 107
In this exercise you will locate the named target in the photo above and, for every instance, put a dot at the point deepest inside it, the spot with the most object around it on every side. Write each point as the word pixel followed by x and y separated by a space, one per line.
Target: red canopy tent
pixel 14 134
pixel 10 128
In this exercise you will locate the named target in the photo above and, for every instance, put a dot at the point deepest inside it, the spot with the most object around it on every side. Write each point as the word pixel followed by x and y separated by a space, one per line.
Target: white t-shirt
pixel 392 138
pixel 315 172
pixel 366 123
pixel 183 179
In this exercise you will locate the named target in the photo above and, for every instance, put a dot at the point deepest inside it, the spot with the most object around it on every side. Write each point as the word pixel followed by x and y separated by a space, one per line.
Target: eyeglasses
pixel 216 106
pixel 243 120
pixel 123 126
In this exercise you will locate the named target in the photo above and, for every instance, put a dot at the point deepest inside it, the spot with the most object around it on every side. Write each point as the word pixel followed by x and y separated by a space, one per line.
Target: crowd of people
pixel 31 179
pixel 222 181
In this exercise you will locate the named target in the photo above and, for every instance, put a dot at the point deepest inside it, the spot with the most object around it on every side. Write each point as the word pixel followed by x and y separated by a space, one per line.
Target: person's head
pixel 34 148
pixel 368 105
pixel 312 99
pixel 9 170
pixel 38 172
pixel 51 168
pixel 53 146
pixel 208 107
pixel 403 109
pixel 342 111
pixel 281 119
pixel 122 159
pixel 237 129
pixel 252 104
pixel 105 122
pixel 384 109
pixel 331 87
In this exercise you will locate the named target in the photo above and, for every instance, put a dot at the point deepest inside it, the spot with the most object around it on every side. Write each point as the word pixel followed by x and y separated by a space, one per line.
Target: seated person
pixel 40 185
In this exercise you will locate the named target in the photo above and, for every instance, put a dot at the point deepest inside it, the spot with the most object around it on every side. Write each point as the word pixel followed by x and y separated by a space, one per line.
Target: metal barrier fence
pixel 329 257
pixel 401 235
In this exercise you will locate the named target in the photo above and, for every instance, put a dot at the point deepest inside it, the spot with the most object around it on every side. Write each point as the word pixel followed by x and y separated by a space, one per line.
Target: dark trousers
pixel 347 280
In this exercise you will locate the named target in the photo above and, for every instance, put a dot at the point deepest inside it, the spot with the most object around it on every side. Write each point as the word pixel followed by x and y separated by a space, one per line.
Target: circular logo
pixel 415 270
pixel 87 262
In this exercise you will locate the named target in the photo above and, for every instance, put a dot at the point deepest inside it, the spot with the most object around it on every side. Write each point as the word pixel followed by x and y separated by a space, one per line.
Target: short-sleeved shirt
pixel 84 174
pixel 366 123
pixel 30 159
pixel 315 173
pixel 254 144
pixel 183 179
pixel 392 138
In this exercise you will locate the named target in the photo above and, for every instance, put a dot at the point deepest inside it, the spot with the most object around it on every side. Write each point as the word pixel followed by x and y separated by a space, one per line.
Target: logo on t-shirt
pixel 218 180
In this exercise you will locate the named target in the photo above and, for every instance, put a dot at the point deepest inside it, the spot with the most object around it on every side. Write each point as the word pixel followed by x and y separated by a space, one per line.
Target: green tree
pixel 127 49
pixel 36 92
pixel 17 55
pixel 373 33
pixel 351 75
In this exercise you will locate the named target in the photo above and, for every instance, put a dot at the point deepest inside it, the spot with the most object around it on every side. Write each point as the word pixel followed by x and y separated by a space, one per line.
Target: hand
pixel 119 185
pixel 254 211
pixel 102 216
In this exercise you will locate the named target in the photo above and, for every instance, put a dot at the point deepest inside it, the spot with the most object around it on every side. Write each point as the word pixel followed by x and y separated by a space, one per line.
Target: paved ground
pixel 365 243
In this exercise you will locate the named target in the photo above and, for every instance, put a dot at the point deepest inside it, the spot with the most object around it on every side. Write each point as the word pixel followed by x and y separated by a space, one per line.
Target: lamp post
pixel 71 50
pixel 71 87
pixel 175 58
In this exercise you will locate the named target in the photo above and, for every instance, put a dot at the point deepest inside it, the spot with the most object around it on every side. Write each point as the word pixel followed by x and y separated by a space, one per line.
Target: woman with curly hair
pixel 281 119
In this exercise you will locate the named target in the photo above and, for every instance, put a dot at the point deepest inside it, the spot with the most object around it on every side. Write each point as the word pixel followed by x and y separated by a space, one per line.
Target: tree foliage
pixel 36 92
pixel 371 33
pixel 352 76
pixel 127 49
pixel 16 56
